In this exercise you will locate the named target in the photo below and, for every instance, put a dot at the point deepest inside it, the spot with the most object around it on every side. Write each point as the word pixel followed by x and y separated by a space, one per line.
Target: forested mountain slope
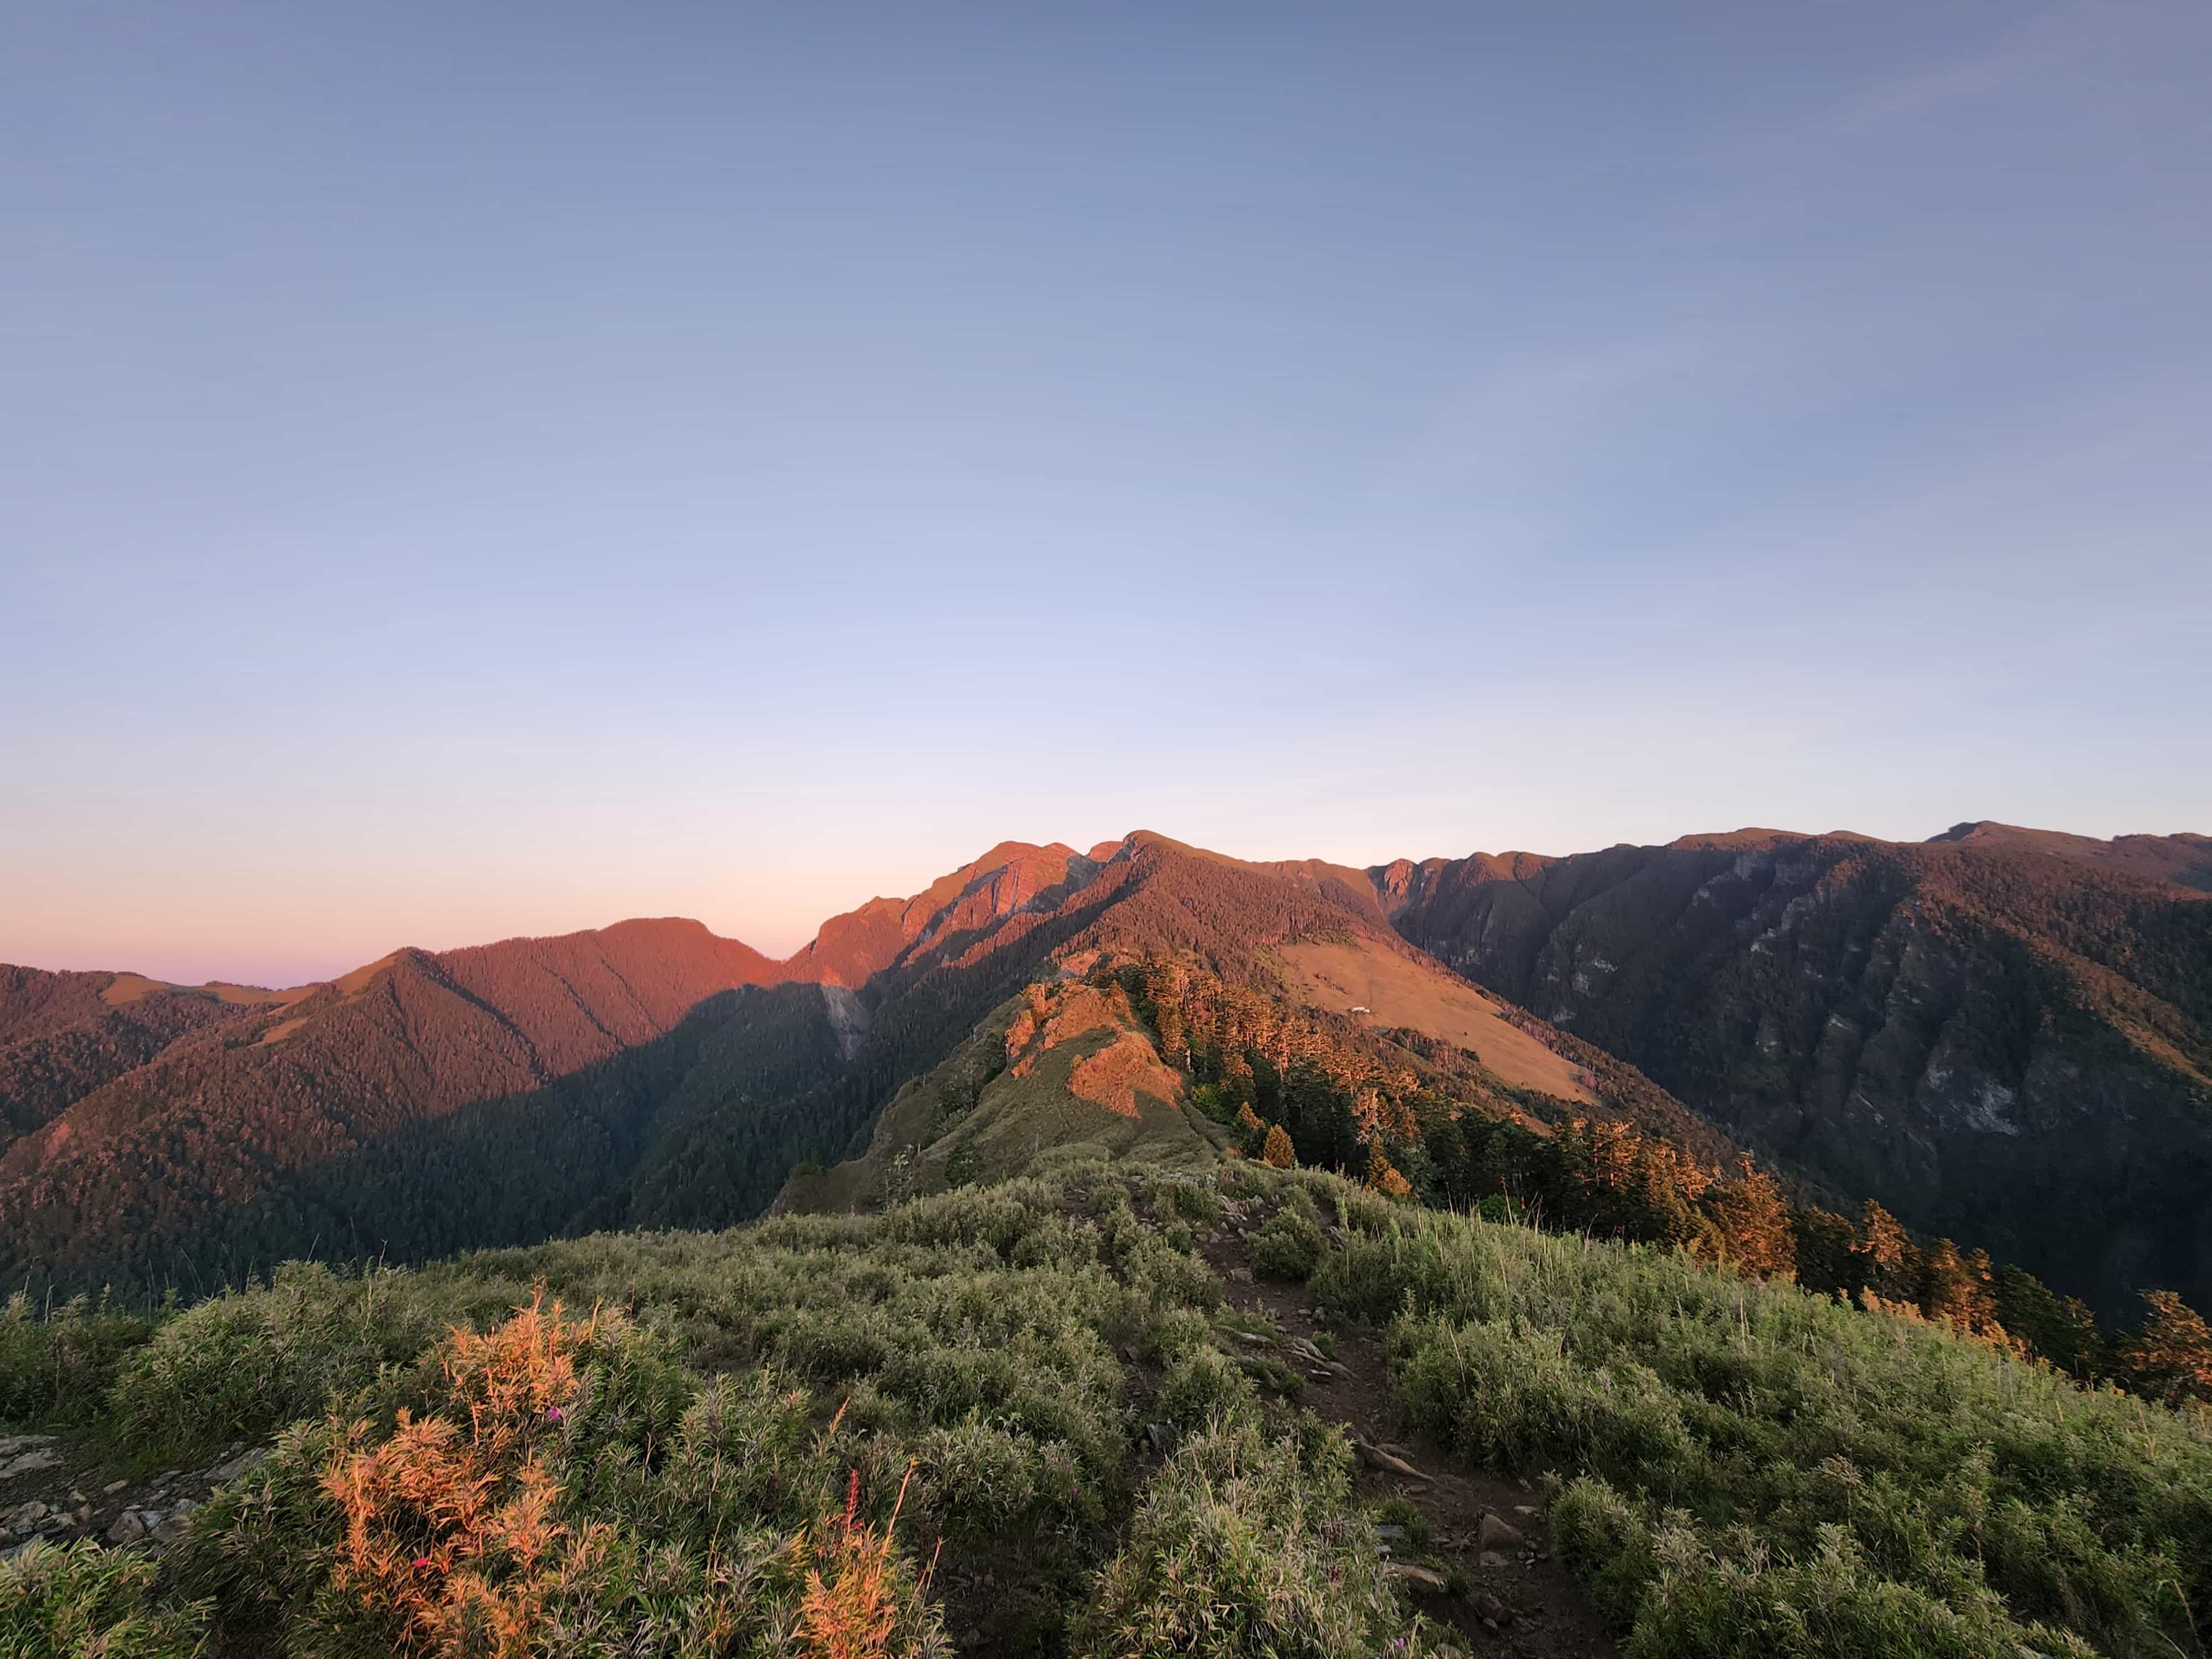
pixel 63 1035
pixel 2002 1039
pixel 277 1135
pixel 2186 860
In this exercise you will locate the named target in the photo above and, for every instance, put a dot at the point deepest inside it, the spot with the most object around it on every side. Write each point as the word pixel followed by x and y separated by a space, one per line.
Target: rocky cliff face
pixel 2003 1043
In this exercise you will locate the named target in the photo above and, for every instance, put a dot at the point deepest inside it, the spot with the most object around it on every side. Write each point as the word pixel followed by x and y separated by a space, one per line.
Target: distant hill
pixel 277 1131
pixel 2185 860
pixel 63 1035
pixel 2004 1035
pixel 649 1072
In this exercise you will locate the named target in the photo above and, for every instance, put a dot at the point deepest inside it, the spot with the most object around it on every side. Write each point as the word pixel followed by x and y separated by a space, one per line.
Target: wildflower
pixel 552 1413
pixel 421 1560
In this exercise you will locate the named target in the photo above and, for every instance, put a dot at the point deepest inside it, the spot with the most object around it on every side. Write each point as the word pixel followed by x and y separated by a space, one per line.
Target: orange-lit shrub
pixel 450 1530
pixel 852 1598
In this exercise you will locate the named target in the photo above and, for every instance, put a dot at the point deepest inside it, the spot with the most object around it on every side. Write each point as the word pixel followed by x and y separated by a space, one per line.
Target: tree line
pixel 1303 1088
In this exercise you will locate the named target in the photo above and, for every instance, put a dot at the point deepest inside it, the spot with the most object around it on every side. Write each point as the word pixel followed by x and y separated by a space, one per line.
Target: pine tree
pixel 1175 1048
pixel 2059 1329
pixel 2170 1359
pixel 1279 1153
pixel 1889 1264
pixel 1382 1177
pixel 1236 1082
pixel 1961 1292
pixel 1754 1222
pixel 1828 1254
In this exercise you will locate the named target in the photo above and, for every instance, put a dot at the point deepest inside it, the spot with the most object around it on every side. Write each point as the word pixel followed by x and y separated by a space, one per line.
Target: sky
pixel 472 471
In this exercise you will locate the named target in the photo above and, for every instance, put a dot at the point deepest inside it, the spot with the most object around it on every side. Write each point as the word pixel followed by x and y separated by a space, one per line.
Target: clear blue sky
pixel 474 470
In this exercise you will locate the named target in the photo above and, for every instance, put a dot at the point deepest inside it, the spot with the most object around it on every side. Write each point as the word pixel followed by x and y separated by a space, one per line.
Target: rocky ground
pixel 52 1492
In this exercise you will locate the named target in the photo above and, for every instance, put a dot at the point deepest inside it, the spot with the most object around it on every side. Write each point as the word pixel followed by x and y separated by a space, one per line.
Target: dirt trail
pixel 1524 1604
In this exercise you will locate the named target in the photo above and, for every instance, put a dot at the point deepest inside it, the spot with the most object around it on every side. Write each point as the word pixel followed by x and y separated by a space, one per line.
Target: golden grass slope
pixel 1398 990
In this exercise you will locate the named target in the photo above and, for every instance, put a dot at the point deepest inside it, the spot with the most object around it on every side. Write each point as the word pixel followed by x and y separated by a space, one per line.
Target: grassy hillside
pixel 1750 1469
pixel 1068 1069
pixel 1016 1418
pixel 828 1435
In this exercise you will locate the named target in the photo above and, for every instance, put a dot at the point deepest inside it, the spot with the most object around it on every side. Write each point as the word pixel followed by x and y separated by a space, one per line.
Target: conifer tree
pixel 1279 1153
pixel 1237 1079
pixel 1889 1263
pixel 1175 1048
pixel 2170 1359
pixel 1382 1177
pixel 1827 1253
pixel 2059 1329
pixel 1753 1224
pixel 1961 1292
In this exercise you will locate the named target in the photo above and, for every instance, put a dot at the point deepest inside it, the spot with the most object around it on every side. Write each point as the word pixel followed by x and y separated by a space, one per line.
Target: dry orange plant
pixel 452 1530
pixel 852 1598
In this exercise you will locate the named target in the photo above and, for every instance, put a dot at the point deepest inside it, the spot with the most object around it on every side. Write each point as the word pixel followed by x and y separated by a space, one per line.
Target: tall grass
pixel 84 1602
pixel 56 1364
pixel 1753 1470
pixel 244 1363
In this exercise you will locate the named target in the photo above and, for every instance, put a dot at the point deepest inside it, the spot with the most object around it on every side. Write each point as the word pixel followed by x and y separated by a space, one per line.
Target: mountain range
pixel 2000 1035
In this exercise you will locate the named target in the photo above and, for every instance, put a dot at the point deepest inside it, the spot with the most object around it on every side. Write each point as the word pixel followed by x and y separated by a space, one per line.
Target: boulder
pixel 1496 1534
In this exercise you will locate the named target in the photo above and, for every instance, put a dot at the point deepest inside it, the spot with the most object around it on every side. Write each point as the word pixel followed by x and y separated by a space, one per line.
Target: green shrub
pixel 55 1366
pixel 964 1166
pixel 1204 1385
pixel 1239 1548
pixel 84 1602
pixel 986 1481
pixel 259 1552
pixel 999 1217
pixel 1057 1240
pixel 1401 1512
pixel 247 1362
pixel 1773 1470
pixel 1731 1598
pixel 1172 1278
pixel 1175 1331
pixel 1366 1279
pixel 1174 1198
pixel 1289 1246
pixel 701 1518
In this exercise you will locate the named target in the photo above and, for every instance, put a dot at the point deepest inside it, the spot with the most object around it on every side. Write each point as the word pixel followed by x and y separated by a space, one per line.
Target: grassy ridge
pixel 812 1436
